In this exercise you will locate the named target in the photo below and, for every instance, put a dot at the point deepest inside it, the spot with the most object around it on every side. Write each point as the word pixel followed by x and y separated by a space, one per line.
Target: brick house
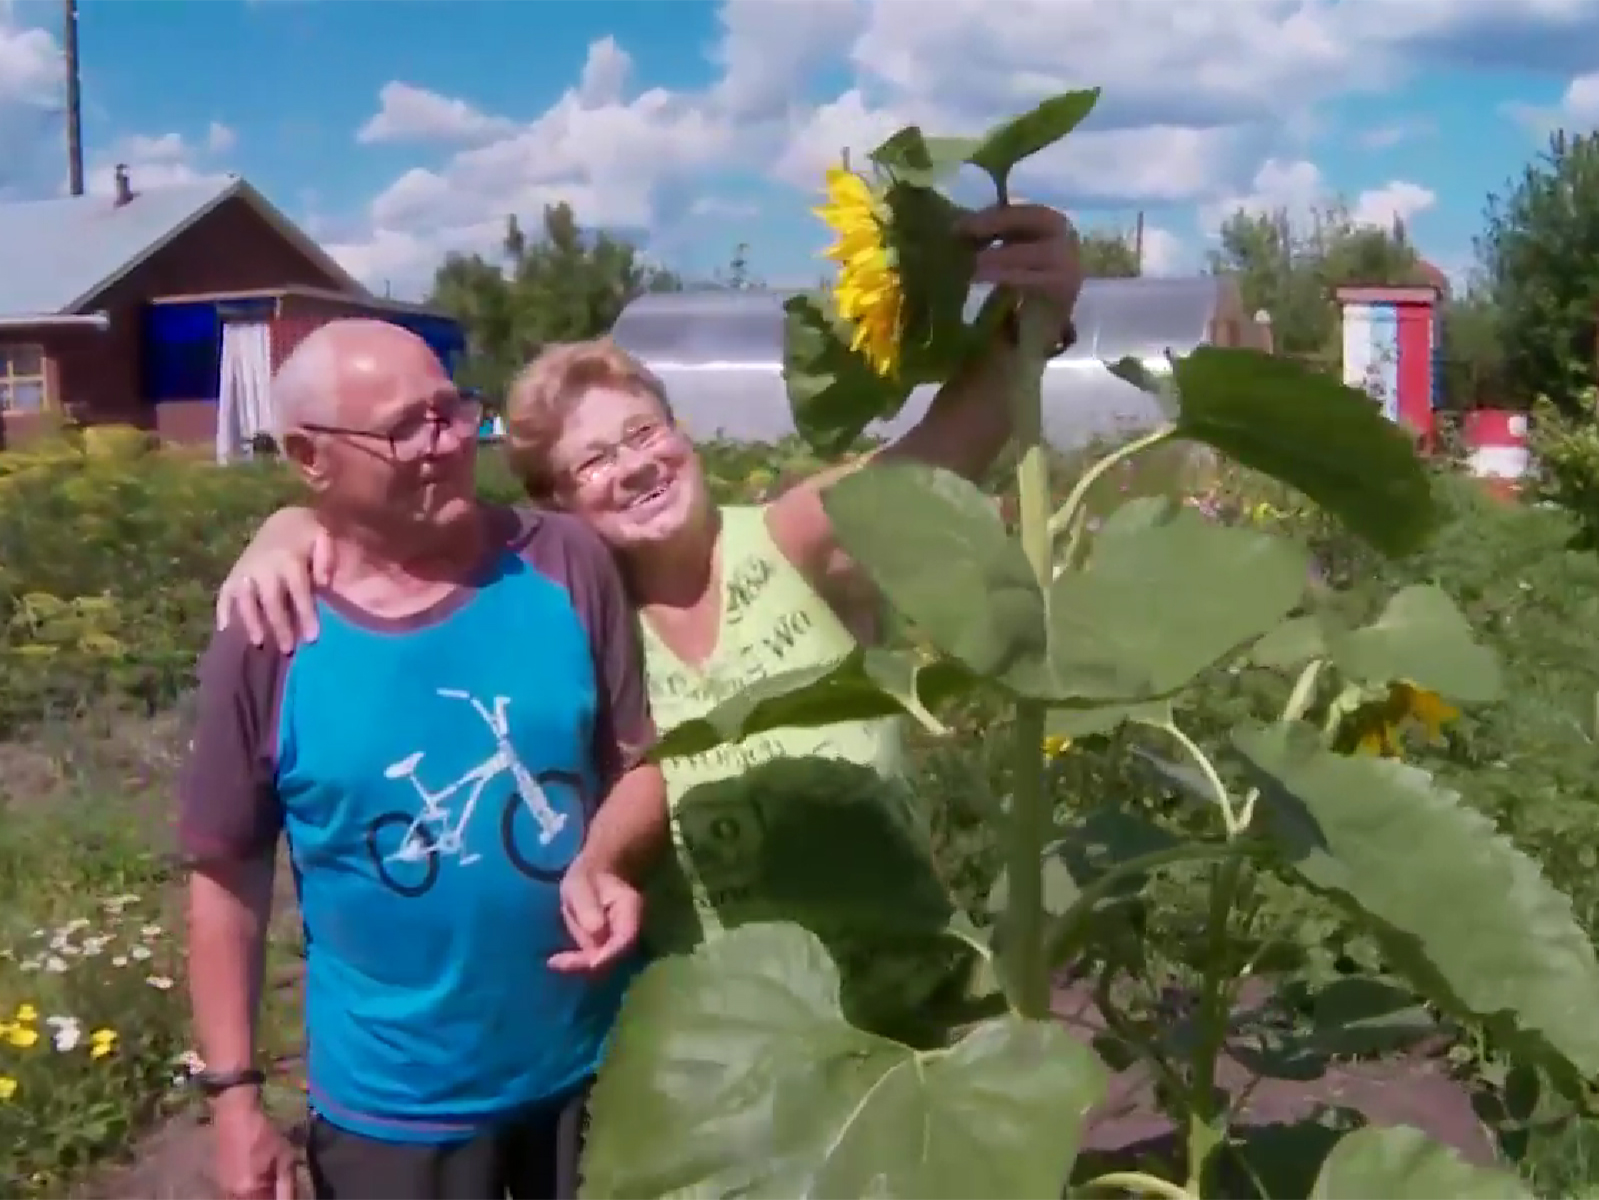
pixel 167 309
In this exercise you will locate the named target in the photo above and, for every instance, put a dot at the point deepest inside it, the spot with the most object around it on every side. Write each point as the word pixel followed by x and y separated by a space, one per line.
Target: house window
pixel 22 379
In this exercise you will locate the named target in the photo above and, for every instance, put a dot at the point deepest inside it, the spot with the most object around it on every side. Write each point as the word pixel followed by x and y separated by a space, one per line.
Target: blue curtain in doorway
pixel 182 351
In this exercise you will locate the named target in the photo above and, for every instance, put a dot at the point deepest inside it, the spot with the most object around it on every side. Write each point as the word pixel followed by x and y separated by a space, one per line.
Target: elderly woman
pixel 726 594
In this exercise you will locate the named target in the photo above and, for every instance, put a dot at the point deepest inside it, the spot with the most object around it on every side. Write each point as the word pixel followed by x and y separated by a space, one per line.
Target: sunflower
pixel 1380 723
pixel 868 294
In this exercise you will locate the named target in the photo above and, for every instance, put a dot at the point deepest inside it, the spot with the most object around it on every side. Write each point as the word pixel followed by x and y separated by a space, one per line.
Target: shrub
pixel 108 569
pixel 1566 467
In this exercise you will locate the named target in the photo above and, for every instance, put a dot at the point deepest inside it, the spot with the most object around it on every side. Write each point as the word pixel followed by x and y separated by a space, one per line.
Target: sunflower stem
pixel 1023 952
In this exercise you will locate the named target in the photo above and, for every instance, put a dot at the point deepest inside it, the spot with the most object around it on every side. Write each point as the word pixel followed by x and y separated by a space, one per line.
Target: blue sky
pixel 397 130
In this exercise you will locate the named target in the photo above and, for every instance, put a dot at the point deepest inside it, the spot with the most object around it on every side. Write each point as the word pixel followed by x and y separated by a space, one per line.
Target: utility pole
pixel 69 41
pixel 1138 242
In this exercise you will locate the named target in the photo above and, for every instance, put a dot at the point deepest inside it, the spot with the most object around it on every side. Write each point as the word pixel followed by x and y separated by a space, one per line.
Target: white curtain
pixel 244 399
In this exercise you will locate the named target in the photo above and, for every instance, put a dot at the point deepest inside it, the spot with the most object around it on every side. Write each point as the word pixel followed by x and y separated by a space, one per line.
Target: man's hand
pixel 602 913
pixel 253 1160
pixel 1038 252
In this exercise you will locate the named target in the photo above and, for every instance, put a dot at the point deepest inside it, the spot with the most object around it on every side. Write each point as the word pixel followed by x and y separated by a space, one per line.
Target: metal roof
pixel 57 255
pixel 1114 318
pixel 720 356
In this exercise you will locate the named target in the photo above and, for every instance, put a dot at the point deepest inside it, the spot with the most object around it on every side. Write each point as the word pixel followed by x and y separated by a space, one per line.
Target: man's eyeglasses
pixel 416 436
pixel 602 463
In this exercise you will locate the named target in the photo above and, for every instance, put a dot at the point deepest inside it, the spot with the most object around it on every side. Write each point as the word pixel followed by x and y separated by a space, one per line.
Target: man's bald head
pixel 340 372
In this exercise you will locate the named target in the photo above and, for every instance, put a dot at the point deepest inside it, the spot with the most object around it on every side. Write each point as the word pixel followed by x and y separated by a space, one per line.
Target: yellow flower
pixel 1428 709
pixel 21 1036
pixel 102 1042
pixel 1054 747
pixel 1381 723
pixel 8 1087
pixel 868 293
pixel 26 1013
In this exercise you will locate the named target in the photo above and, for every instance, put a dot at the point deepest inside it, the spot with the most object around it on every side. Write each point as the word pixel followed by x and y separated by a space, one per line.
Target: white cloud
pixel 1193 99
pixel 1176 63
pixel 413 114
pixel 1206 107
pixel 389 259
pixel 1577 109
pixel 1165 253
pixel 847 126
pixel 1156 164
pixel 31 91
pixel 770 47
pixel 605 74
pixel 1396 200
pixel 613 158
pixel 1299 187
pixel 1393 133
pixel 219 138
pixel 159 160
pixel 717 208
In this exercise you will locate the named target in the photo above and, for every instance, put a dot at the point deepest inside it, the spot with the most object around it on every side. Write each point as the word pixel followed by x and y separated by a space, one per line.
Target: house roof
pixel 60 254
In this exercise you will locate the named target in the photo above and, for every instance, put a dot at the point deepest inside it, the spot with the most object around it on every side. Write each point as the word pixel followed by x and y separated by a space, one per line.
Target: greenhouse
pixel 720 355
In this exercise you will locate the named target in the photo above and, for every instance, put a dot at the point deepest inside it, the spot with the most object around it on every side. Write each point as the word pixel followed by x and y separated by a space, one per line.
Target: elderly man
pixel 458 767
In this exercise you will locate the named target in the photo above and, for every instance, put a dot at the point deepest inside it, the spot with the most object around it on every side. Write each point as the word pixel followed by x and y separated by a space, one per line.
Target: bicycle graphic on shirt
pixel 439 831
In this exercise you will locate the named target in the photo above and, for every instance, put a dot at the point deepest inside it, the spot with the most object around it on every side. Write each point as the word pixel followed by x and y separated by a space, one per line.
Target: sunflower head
pixel 1428 709
pixel 869 295
pixel 1377 726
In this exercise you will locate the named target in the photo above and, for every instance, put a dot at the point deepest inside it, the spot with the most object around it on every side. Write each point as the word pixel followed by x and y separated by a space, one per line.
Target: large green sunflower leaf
pixel 936 546
pixel 913 157
pixel 1404 1164
pixel 1312 432
pixel 756 844
pixel 734 1073
pixel 1421 637
pixel 1465 916
pixel 862 686
pixel 1115 634
pixel 1009 142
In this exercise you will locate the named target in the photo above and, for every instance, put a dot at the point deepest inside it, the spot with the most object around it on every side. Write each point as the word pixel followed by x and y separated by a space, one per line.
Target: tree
pixel 736 276
pixel 1472 365
pixel 1539 255
pixel 1108 254
pixel 564 286
pixel 1293 271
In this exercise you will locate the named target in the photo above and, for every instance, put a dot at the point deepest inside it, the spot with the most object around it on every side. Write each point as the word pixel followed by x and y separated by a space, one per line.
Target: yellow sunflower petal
pixel 867 294
pixel 1431 711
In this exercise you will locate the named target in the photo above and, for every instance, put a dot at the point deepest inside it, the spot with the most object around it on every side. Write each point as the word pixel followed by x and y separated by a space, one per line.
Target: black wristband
pixel 212 1084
